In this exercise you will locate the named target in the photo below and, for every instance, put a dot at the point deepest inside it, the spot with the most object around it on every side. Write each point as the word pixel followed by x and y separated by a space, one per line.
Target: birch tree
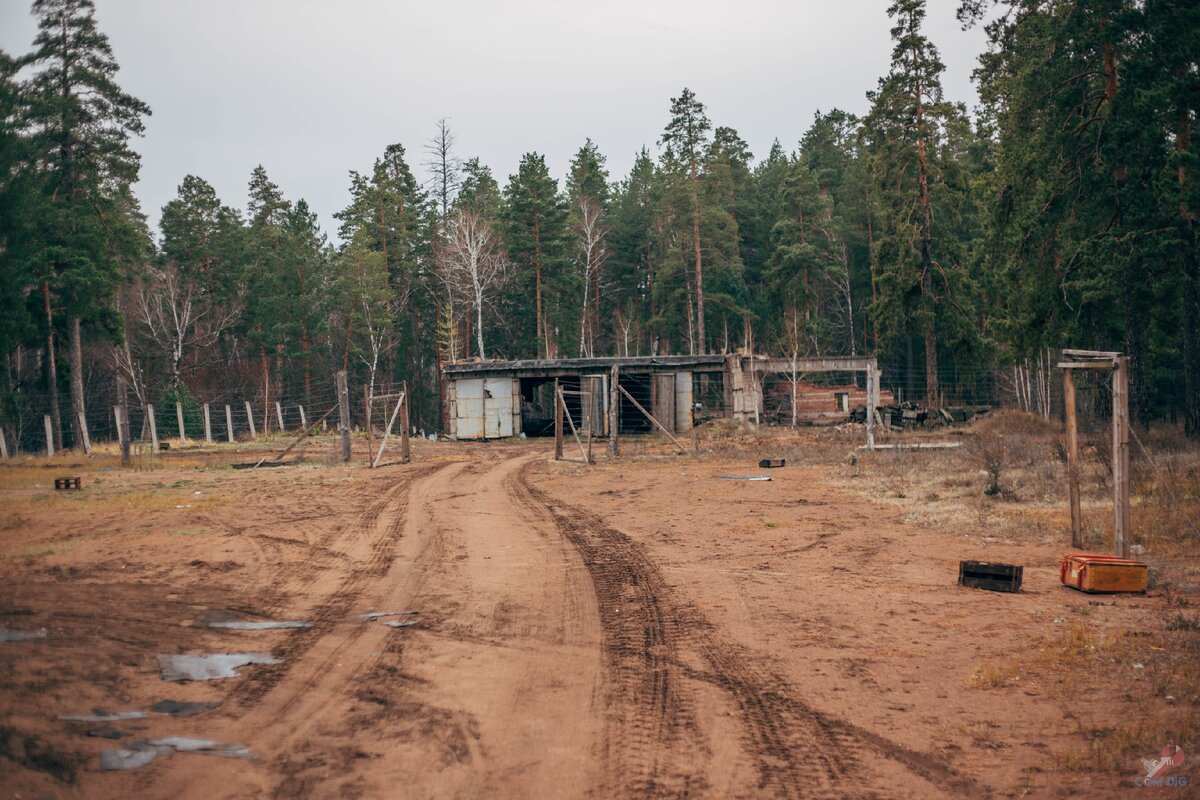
pixel 474 263
pixel 591 233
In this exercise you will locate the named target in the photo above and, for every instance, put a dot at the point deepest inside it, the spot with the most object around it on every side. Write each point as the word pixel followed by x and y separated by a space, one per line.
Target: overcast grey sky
pixel 313 89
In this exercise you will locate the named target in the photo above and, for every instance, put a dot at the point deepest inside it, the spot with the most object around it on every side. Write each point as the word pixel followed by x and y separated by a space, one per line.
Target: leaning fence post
pixel 614 406
pixel 49 435
pixel 83 433
pixel 179 419
pixel 303 419
pixel 153 426
pixel 207 426
pixel 122 435
pixel 344 413
pixel 279 415
pixel 228 423
pixel 250 419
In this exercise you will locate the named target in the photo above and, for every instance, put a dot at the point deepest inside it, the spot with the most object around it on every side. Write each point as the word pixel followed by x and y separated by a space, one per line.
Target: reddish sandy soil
pixel 639 628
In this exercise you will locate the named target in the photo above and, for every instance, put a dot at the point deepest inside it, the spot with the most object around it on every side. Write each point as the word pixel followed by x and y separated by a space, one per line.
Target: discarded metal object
pixel 259 626
pixel 70 482
pixel 176 708
pixel 400 623
pixel 21 636
pixel 985 575
pixel 772 463
pixel 1094 572
pixel 209 667
pixel 745 477
pixel 100 715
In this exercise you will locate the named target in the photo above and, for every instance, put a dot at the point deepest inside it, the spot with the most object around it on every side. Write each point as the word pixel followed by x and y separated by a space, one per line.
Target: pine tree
pixel 536 236
pixel 389 213
pixel 904 117
pixel 686 141
pixel 197 295
pixel 81 123
pixel 17 200
pixel 725 200
pixel 635 216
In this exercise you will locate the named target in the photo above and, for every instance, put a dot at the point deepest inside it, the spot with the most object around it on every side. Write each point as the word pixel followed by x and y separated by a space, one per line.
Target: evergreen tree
pixel 389 213
pixel 536 237
pixel 81 123
pixel 906 111
pixel 17 199
pixel 199 291
pixel 635 216
pixel 725 199
pixel 686 141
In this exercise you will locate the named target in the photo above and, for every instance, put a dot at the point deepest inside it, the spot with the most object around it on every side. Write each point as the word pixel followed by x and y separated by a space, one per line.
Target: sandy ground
pixel 640 628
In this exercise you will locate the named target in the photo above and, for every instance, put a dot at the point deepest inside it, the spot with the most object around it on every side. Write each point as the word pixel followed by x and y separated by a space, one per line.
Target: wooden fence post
pixel 367 417
pixel 558 423
pixel 49 435
pixel 344 413
pixel 250 419
pixel 228 423
pixel 279 415
pixel 153 426
pixel 83 432
pixel 207 425
pixel 179 419
pixel 871 401
pixel 3 445
pixel 1121 510
pixel 405 446
pixel 303 419
pixel 122 432
pixel 1073 458
pixel 123 422
pixel 614 407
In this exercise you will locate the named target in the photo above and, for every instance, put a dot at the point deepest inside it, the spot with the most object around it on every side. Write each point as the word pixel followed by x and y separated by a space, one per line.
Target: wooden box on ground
pixel 71 482
pixel 984 575
pixel 1094 572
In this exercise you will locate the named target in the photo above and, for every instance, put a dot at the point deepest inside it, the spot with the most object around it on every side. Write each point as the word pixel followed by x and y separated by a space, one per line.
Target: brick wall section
pixel 817 402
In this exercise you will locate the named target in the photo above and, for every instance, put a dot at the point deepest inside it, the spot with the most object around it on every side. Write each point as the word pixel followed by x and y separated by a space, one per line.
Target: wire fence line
pixel 175 413
pixel 239 407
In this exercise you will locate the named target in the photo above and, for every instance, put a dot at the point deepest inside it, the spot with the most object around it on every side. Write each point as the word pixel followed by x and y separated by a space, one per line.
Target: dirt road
pixel 618 632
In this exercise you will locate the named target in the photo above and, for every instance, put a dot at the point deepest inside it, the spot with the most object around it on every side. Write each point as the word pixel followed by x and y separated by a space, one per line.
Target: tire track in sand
pixel 274 707
pixel 652 741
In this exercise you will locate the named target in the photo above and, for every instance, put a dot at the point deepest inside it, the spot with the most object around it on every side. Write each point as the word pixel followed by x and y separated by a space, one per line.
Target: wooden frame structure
pixel 401 411
pixel 560 411
pixel 1118 365
pixel 865 364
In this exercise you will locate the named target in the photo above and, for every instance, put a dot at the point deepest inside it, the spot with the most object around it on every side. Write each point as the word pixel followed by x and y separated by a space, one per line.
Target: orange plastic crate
pixel 1095 572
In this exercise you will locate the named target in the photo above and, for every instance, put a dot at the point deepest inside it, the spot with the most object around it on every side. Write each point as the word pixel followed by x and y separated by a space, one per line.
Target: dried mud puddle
pixel 653 742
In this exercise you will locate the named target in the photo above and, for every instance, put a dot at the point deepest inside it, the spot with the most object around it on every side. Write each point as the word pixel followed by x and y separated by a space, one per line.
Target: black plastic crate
pixel 985 575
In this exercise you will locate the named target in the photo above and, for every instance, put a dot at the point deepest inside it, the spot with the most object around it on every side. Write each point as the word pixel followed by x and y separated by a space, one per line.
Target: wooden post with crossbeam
pixel 1118 366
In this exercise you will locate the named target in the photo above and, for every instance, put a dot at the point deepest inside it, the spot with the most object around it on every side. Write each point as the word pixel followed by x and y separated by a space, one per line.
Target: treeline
pixel 949 245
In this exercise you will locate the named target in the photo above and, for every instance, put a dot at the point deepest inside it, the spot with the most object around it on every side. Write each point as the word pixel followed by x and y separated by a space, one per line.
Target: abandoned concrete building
pixel 499 399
